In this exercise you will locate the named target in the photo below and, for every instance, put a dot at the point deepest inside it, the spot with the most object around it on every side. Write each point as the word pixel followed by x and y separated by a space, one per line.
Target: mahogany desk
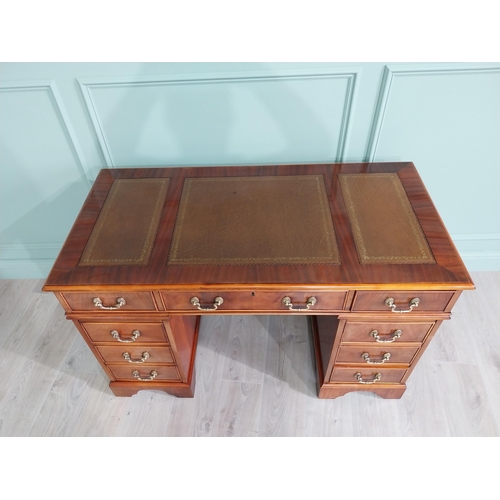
pixel 359 248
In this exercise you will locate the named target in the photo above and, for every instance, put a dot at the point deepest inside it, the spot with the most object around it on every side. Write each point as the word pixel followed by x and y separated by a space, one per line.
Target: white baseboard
pixel 25 268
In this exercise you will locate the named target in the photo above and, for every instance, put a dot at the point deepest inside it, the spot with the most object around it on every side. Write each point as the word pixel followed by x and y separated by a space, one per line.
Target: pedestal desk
pixel 359 248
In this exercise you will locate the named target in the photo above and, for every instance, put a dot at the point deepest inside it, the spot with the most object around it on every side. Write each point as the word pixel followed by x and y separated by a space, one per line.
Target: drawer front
pixel 255 301
pixel 385 333
pixel 110 301
pixel 376 301
pixel 126 333
pixel 376 355
pixel 126 372
pixel 369 374
pixel 136 354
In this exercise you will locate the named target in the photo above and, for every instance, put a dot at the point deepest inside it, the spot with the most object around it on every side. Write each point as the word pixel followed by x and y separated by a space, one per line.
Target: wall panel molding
pixel 87 85
pixel 59 109
pixel 28 260
pixel 101 115
pixel 391 72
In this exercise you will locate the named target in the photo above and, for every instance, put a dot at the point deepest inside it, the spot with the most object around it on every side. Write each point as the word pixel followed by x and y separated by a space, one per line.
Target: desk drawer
pixel 255 301
pixel 376 355
pixel 368 375
pixel 402 301
pixel 110 301
pixel 145 372
pixel 126 333
pixel 136 354
pixel 385 333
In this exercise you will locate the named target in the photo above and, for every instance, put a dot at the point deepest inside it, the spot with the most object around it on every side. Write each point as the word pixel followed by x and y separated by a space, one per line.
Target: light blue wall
pixel 62 122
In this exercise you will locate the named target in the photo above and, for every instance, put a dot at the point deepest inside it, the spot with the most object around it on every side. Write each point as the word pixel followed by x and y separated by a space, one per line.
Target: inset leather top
pixel 254 220
pixel 125 231
pixel 384 225
pixel 339 226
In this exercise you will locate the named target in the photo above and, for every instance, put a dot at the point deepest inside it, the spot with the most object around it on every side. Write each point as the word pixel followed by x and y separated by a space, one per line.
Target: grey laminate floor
pixel 255 377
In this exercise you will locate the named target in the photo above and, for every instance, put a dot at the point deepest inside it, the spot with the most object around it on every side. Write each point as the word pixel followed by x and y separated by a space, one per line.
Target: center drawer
pixel 254 301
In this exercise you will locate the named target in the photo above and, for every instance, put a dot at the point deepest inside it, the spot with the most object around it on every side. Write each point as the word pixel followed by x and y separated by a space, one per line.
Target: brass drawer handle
pixel 395 335
pixel 389 302
pixel 385 358
pixel 153 374
pixel 217 302
pixel 375 379
pixel 116 335
pixel 287 301
pixel 144 357
pixel 120 301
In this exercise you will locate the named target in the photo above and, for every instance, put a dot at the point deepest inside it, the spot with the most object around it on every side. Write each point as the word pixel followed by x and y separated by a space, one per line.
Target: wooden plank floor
pixel 255 377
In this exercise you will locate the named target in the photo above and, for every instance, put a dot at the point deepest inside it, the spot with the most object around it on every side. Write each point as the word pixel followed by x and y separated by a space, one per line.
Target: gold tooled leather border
pixel 331 242
pixel 100 225
pixel 425 254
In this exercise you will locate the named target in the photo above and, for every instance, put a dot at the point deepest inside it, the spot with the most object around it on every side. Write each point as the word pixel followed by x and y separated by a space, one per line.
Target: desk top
pixel 331 226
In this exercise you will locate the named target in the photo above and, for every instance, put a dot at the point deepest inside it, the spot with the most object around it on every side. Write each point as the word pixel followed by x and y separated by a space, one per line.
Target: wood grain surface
pixel 249 382
pixel 448 272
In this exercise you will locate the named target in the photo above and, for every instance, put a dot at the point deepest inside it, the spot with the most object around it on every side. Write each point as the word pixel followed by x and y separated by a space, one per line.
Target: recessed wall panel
pixel 242 120
pixel 448 124
pixel 41 188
